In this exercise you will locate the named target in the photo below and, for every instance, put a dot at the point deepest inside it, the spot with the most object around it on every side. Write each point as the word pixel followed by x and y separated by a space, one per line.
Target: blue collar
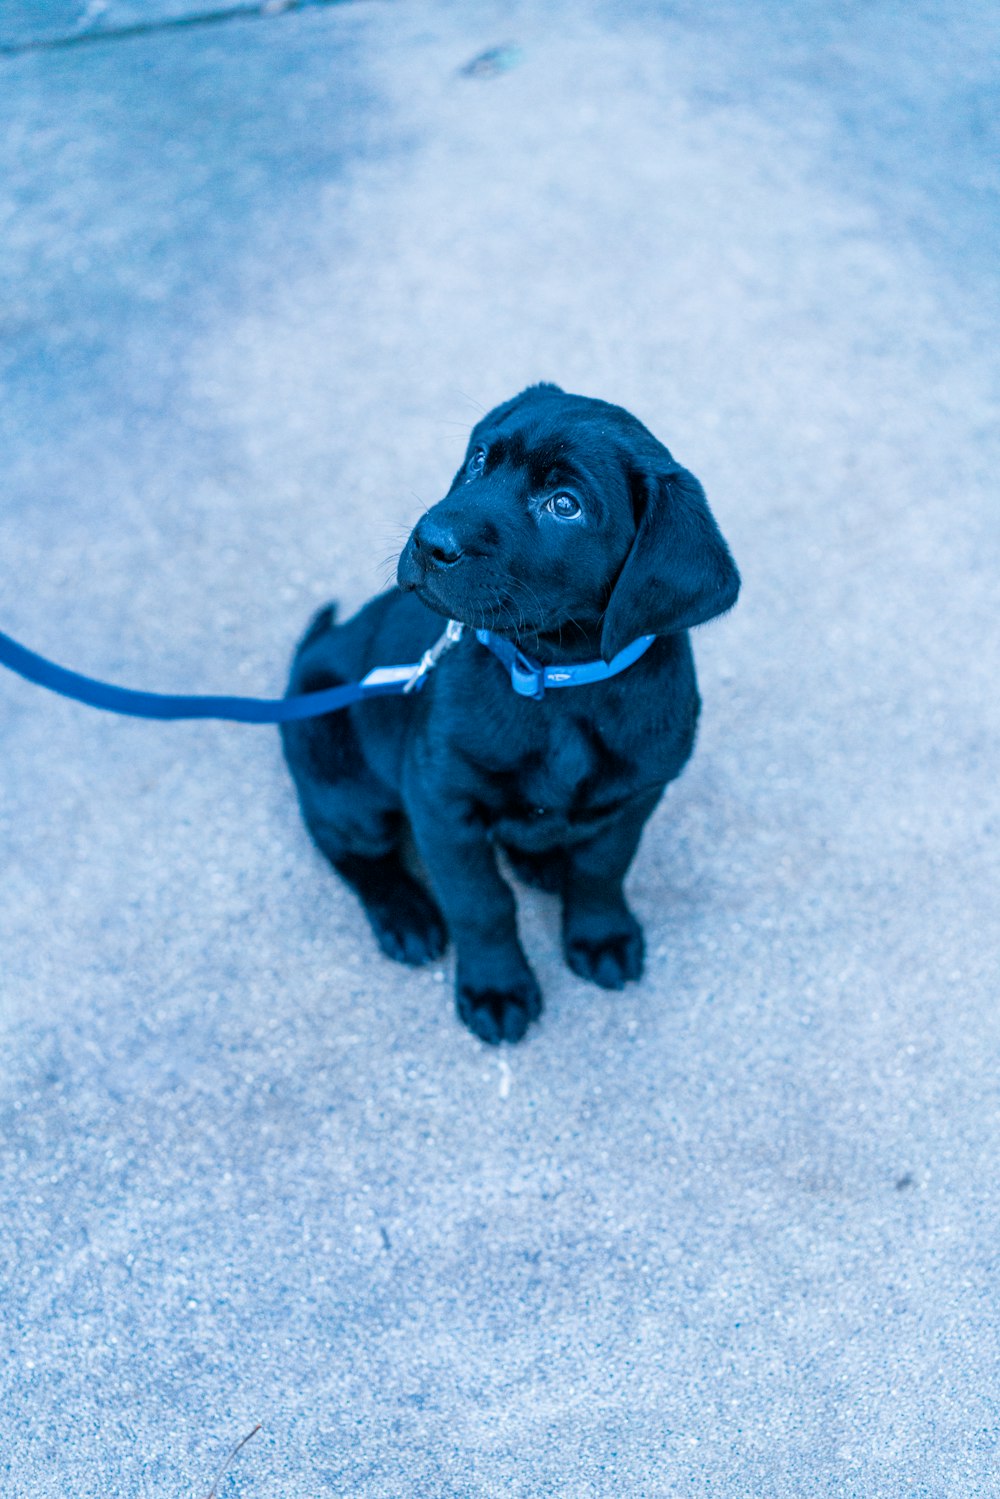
pixel 530 679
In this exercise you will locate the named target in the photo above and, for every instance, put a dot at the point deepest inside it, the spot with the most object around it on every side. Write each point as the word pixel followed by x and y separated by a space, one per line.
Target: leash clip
pixel 451 636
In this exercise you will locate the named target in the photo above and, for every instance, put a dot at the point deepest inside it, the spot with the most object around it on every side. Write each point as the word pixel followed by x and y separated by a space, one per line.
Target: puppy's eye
pixel 563 505
pixel 476 463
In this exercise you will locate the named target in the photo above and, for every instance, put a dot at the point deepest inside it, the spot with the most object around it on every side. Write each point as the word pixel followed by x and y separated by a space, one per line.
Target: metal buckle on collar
pixel 452 634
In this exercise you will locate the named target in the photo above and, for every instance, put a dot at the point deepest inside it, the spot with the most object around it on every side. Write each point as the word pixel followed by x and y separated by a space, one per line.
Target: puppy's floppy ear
pixel 678 572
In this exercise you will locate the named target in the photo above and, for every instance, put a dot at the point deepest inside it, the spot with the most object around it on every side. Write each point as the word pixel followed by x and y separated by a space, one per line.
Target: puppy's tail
pixel 325 619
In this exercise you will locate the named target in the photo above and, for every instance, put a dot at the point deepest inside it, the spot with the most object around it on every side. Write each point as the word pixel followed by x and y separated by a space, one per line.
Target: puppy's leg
pixel 496 992
pixel 602 941
pixel 357 824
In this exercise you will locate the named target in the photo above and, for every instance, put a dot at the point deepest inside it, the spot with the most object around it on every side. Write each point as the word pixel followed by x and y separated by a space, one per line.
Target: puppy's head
pixel 568 514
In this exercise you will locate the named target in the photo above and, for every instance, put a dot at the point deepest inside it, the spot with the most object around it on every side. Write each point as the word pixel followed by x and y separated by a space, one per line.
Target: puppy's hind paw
pixel 609 958
pixel 410 928
pixel 496 1015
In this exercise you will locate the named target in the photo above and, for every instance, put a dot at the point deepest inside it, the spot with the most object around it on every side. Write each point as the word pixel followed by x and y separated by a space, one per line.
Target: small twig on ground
pixel 225 1465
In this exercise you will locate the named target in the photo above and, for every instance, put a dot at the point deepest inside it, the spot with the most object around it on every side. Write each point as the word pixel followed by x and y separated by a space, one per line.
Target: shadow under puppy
pixel 570 531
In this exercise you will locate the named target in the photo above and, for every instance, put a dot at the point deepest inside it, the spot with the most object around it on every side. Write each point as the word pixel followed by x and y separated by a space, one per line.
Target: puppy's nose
pixel 437 543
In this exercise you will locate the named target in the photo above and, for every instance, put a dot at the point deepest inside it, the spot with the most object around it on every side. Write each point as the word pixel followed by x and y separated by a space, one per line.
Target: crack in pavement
pixel 254 10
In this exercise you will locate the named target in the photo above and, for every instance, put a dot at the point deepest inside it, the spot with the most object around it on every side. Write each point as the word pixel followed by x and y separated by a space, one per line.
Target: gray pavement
pixel 735 1232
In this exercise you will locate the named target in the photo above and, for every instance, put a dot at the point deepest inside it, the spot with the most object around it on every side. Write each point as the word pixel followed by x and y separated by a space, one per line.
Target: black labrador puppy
pixel 570 533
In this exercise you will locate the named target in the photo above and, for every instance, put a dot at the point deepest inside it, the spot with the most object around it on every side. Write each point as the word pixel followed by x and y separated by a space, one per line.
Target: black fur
pixel 563 785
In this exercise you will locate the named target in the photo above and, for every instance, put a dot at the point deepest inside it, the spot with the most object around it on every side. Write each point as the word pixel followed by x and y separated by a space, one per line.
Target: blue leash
pixel 379 683
pixel 528 678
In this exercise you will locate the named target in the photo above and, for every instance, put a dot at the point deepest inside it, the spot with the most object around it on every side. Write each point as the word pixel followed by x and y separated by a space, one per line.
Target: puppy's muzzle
pixel 433 547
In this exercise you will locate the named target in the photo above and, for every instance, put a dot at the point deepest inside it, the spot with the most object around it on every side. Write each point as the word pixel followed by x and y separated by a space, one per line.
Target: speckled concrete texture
pixel 734 1232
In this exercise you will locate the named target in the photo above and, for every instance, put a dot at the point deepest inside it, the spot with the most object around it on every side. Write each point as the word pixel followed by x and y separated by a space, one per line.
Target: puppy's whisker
pixel 536 603
pixel 570 620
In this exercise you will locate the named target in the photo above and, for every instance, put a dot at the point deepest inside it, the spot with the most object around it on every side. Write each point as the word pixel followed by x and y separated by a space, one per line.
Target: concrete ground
pixel 736 1231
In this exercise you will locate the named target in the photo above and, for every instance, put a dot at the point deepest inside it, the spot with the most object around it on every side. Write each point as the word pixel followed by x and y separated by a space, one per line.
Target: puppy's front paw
pixel 496 1015
pixel 609 953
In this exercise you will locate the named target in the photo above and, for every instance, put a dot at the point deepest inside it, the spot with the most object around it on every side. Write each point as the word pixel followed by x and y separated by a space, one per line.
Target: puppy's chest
pixel 566 775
